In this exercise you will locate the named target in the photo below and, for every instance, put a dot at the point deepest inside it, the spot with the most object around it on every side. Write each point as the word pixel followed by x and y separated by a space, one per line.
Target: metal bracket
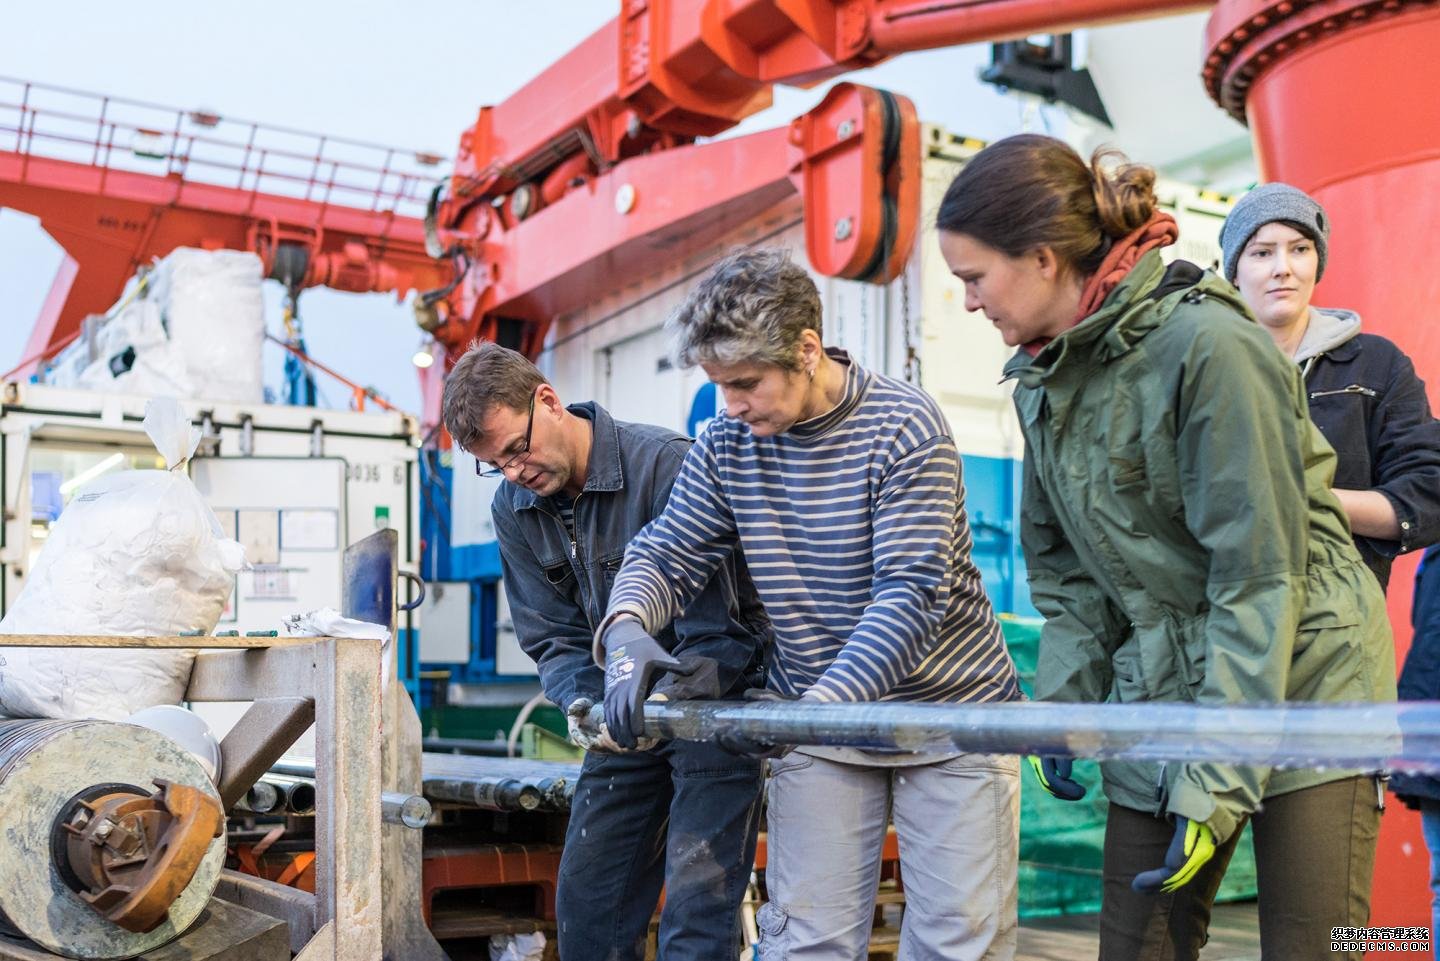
pixel 258 740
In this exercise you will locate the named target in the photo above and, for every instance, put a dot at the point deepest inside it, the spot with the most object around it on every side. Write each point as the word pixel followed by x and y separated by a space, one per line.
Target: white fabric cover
pixel 199 332
pixel 216 316
pixel 157 368
pixel 517 947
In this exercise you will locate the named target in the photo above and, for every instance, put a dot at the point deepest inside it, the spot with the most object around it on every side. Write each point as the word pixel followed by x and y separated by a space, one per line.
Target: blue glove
pixel 1192 846
pixel 1053 773
pixel 750 745
pixel 633 659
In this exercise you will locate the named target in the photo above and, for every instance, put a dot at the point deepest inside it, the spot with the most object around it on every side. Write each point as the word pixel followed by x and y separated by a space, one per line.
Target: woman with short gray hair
pixel 749 309
pixel 844 489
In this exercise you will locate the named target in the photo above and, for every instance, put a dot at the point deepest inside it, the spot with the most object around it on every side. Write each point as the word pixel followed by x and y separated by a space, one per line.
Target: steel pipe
pixel 554 780
pixel 1397 736
pixel 406 810
pixel 485 793
pixel 488 783
pixel 261 798
pixel 297 794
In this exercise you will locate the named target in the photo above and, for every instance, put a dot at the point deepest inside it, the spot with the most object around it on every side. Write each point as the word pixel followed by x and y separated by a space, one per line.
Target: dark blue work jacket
pixel 558 586
pixel 1369 403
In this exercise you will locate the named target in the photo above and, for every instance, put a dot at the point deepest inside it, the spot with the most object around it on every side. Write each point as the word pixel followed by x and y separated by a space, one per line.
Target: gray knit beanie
pixel 1267 204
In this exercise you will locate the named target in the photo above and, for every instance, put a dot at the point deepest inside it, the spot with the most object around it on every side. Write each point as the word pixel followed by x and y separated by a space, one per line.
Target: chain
pixel 912 357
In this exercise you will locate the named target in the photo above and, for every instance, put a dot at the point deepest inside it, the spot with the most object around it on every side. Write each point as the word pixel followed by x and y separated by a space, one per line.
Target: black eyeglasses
pixel 520 455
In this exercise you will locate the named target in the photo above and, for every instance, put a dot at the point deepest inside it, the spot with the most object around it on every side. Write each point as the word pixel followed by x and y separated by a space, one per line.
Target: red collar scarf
pixel 1159 231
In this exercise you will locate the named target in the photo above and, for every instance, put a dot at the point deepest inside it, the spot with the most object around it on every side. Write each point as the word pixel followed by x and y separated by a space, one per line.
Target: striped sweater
pixel 853 526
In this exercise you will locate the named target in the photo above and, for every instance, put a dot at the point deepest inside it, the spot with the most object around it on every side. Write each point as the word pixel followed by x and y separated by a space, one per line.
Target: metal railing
pixel 116 134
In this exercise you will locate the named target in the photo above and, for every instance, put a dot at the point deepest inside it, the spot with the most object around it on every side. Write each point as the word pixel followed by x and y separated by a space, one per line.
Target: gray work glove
pixel 697 680
pixel 584 735
pixel 633 662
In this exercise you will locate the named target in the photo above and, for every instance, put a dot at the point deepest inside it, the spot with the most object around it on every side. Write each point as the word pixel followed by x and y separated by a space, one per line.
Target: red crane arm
pixel 535 203
pixel 672 70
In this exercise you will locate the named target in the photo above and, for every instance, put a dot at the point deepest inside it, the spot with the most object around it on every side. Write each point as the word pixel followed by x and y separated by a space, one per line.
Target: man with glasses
pixel 578 485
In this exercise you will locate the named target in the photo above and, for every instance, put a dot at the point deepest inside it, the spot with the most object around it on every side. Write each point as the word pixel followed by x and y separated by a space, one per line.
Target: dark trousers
pixel 683 815
pixel 1314 858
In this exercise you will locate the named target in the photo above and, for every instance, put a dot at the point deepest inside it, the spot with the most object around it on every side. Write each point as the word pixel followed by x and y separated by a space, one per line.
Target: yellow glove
pixel 1192 846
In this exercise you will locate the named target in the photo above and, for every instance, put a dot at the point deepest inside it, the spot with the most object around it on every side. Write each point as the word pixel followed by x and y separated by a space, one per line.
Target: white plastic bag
pixel 198 331
pixel 517 947
pixel 137 552
pixel 328 622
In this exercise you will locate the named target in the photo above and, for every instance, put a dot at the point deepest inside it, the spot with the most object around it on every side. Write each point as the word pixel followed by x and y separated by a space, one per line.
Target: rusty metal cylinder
pixel 68 791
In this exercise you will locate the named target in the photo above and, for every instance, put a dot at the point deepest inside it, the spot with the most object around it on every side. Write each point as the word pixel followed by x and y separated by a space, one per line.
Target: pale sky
pixel 409 75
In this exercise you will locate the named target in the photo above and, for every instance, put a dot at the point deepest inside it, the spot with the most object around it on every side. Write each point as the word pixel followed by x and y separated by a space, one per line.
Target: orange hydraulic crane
pixel 595 169
pixel 591 170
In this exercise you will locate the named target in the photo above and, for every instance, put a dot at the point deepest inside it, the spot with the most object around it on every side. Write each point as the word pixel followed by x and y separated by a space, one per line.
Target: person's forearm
pixel 1371 514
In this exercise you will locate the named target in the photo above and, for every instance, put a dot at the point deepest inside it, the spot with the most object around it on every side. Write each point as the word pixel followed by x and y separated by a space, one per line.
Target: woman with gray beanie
pixel 1363 391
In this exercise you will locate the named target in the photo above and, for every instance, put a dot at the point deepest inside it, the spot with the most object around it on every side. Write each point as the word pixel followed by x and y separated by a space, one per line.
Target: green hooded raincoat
pixel 1181 537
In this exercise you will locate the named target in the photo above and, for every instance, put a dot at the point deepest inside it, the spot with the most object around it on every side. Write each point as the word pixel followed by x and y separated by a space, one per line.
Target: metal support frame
pixel 371 568
pixel 256 742
pixel 339 678
pixel 292 905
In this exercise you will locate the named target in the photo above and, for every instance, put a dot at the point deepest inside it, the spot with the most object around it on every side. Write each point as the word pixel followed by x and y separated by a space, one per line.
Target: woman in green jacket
pixel 1182 541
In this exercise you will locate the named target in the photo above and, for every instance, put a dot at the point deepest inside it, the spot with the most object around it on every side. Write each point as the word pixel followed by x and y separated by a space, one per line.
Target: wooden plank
pixel 200 642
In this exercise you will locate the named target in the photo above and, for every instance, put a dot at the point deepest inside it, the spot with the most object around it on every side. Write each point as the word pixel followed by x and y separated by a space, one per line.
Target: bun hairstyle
pixel 1031 191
